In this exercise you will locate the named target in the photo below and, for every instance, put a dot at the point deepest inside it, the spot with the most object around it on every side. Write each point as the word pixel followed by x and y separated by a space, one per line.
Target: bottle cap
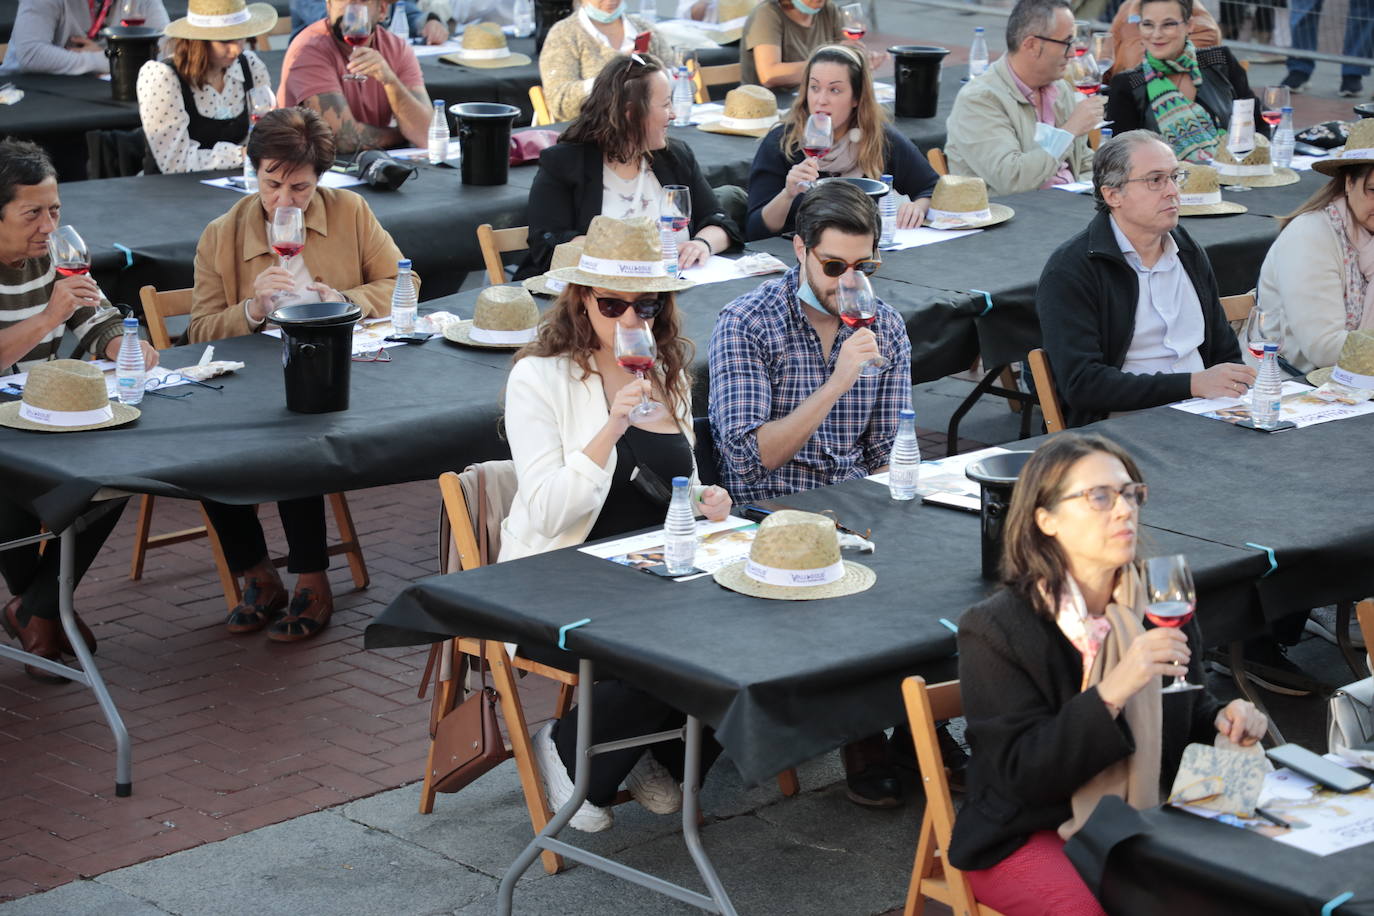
pixel 438 103
pixel 906 413
pixel 978 30
pixel 887 179
pixel 403 264
pixel 1271 348
pixel 131 324
pixel 681 482
pixel 1288 109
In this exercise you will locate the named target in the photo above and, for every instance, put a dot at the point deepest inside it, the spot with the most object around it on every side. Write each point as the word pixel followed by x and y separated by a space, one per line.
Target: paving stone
pixel 81 898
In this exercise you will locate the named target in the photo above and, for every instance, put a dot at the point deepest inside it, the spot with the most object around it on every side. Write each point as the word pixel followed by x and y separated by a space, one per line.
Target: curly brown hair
pixel 614 113
pixel 565 330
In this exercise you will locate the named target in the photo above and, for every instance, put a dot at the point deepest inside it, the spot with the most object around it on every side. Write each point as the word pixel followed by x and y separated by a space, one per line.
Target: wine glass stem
pixel 643 396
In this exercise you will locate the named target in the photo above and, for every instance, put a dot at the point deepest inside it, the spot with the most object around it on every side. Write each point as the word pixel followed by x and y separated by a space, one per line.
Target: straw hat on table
pixel 565 255
pixel 505 318
pixel 961 202
pixel 625 255
pixel 1256 170
pixel 222 20
pixel 484 47
pixel 795 557
pixel 750 111
pixel 1354 367
pixel 65 396
pixel 1201 194
pixel 1359 149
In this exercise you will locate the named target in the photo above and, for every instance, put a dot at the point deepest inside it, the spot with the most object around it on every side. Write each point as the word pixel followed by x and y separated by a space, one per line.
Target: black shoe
pixel 1267 666
pixel 869 776
pixel 1351 86
pixel 1294 81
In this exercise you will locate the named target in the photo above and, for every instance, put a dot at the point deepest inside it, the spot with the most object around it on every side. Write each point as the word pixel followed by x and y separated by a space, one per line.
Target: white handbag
pixel 1350 720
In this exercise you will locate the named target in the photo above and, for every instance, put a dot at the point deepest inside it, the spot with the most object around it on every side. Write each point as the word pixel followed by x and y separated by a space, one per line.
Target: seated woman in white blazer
pixel 568 420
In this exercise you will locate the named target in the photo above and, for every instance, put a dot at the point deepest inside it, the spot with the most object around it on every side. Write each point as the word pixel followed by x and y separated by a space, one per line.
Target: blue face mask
pixel 806 294
pixel 603 17
pixel 805 10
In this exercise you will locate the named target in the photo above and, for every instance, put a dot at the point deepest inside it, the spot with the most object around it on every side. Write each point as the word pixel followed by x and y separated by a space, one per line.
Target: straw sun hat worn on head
pixel 795 557
pixel 1254 171
pixel 484 46
pixel 222 20
pixel 1201 194
pixel 750 111
pixel 1359 149
pixel 565 255
pixel 505 318
pixel 625 255
pixel 65 396
pixel 1354 367
pixel 961 202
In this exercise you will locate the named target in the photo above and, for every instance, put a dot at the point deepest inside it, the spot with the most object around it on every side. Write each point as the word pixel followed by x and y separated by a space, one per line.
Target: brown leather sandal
pixel 308 614
pixel 263 602
pixel 39 636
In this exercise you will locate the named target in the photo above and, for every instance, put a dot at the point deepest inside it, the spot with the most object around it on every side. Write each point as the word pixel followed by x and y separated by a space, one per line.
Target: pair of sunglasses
pixel 644 308
pixel 835 267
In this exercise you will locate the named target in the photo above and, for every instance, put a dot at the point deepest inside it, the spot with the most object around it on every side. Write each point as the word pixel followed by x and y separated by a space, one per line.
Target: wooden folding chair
pixel 936 157
pixel 1094 139
pixel 1237 308
pixel 706 77
pixel 932 876
pixel 157 308
pixel 1045 390
pixel 540 104
pixel 495 242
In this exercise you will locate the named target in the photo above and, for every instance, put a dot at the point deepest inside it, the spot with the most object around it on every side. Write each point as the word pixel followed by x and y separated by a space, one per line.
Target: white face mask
pixel 603 17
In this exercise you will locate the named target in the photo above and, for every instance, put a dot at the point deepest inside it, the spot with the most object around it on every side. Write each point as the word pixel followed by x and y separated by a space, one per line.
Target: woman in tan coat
pixel 349 257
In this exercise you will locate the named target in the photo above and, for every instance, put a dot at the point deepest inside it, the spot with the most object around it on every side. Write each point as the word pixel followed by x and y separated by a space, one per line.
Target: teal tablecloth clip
pixel 987 297
pixel 128 255
pixel 1273 561
pixel 1329 909
pixel 563 630
pixel 950 625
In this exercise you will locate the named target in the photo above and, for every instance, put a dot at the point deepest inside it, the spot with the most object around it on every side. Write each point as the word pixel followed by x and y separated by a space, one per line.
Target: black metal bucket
pixel 484 132
pixel 917 77
pixel 996 475
pixel 128 48
pixel 317 354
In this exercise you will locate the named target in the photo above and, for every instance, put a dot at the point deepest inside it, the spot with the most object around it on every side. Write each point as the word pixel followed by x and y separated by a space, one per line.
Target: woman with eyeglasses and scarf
pixel 586 469
pixel 615 160
pixel 1181 92
pixel 579 47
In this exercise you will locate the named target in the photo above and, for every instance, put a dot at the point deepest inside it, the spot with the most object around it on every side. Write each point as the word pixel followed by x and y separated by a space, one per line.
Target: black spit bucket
pixel 317 354
pixel 128 48
pixel 917 71
pixel 484 132
pixel 997 475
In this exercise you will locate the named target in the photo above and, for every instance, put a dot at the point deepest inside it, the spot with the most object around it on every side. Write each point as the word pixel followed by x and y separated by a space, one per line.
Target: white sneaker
pixel 653 786
pixel 558 788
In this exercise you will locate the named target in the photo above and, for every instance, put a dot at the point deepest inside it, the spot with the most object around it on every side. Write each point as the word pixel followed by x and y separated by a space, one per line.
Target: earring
pixel 855 135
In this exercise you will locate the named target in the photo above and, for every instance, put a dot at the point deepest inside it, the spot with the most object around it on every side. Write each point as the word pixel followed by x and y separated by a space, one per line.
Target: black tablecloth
pixel 1277 201
pixel 56 112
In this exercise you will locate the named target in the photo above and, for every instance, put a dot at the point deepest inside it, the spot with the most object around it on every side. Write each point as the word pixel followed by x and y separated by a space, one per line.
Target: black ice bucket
pixel 128 48
pixel 484 132
pixel 996 475
pixel 917 78
pixel 317 354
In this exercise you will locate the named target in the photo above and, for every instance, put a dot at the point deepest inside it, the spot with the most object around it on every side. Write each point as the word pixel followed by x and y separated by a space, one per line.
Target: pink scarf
pixel 1357 255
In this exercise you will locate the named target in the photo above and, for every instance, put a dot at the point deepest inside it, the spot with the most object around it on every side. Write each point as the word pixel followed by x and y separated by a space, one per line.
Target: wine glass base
pixel 1180 687
pixel 873 368
pixel 647 413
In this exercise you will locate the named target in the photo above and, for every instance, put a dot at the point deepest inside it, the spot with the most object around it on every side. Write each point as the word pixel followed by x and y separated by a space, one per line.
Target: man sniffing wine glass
pixel 356 30
pixel 858 310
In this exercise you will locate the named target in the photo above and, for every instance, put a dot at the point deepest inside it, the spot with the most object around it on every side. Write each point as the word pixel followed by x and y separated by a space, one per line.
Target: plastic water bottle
pixel 522 16
pixel 403 300
pixel 250 174
pixel 1268 390
pixel 1105 134
pixel 1283 139
pixel 680 531
pixel 669 238
pixel 683 94
pixel 977 54
pixel 438 134
pixel 648 10
pixel 400 24
pixel 904 466
pixel 129 369
pixel 887 206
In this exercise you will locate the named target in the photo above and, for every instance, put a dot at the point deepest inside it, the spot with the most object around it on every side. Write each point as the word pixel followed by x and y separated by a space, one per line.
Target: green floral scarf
pixel 1185 125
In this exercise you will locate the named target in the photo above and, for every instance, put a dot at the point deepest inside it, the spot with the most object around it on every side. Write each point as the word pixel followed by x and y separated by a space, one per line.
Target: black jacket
pixel 567 193
pixel 1035 738
pixel 1223 81
pixel 1086 303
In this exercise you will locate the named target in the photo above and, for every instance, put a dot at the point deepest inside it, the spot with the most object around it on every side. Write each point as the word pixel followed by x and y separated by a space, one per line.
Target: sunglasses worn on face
pixel 644 308
pixel 835 267
pixel 1103 498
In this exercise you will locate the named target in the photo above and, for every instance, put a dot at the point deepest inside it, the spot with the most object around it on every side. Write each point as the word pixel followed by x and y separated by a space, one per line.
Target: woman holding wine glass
pixel 1063 684
pixel 1179 91
pixel 332 249
pixel 599 418
pixel 196 104
pixel 860 142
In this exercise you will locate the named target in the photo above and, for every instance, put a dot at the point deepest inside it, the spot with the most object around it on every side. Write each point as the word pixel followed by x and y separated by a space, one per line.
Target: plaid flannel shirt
pixel 766 359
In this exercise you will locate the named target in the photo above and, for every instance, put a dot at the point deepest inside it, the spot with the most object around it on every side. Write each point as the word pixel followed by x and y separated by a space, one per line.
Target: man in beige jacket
pixel 1020 125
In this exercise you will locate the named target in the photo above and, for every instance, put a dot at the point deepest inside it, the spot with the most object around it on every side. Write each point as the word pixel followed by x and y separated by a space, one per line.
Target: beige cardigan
pixel 345 247
pixel 991 134
pixel 551 414
pixel 1302 282
pixel 571 59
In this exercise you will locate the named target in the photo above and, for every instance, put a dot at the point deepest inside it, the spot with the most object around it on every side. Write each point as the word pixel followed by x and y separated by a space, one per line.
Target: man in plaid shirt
pixel 789 409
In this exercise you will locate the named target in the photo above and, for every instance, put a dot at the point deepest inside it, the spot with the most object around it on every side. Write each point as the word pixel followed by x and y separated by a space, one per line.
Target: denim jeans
pixel 1359 34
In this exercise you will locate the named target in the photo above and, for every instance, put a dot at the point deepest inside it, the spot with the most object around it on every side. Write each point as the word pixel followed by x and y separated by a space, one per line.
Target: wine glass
pixel 1083 71
pixel 68 252
pixel 131 13
pixel 356 28
pixel 288 233
pixel 1170 599
pixel 855 26
pixel 635 351
pixel 1276 99
pixel 675 208
pixel 1262 328
pixel 1104 49
pixel 817 138
pixel 260 102
pixel 859 309
pixel 1082 36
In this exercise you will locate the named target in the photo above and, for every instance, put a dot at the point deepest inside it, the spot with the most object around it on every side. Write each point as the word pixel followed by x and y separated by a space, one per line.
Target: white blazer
pixel 551 415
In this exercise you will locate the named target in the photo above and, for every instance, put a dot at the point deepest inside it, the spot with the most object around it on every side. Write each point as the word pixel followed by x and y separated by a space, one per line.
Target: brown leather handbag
pixel 467 737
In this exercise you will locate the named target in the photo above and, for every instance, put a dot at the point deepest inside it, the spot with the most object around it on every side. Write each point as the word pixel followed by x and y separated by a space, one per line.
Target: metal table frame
pixel 717 902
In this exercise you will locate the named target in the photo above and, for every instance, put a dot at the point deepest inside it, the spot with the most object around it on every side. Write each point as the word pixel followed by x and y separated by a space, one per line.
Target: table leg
pixel 988 386
pixel 1248 691
pixel 691 828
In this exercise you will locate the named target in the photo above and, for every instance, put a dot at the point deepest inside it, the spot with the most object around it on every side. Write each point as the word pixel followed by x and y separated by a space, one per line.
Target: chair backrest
pixel 1237 308
pixel 706 77
pixel 1364 613
pixel 494 242
pixel 1045 390
pixel 540 106
pixel 461 522
pixel 115 153
pixel 936 157
pixel 158 307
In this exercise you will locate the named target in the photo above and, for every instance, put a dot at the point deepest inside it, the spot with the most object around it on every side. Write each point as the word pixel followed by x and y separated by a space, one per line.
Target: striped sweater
pixel 24 292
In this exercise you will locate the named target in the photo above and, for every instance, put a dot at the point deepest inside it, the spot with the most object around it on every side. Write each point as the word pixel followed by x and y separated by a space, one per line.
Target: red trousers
pixel 1036 880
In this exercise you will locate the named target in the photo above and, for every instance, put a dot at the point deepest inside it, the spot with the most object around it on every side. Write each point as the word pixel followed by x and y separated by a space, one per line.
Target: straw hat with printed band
pixel 625 255
pixel 1354 367
pixel 565 255
pixel 222 20
pixel 65 396
pixel 796 557
pixel 505 318
pixel 1201 194
pixel 750 111
pixel 1254 171
pixel 1359 149
pixel 484 47
pixel 961 202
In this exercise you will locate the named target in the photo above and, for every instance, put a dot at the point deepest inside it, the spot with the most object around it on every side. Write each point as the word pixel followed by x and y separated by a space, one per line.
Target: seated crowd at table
pixel 1060 677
